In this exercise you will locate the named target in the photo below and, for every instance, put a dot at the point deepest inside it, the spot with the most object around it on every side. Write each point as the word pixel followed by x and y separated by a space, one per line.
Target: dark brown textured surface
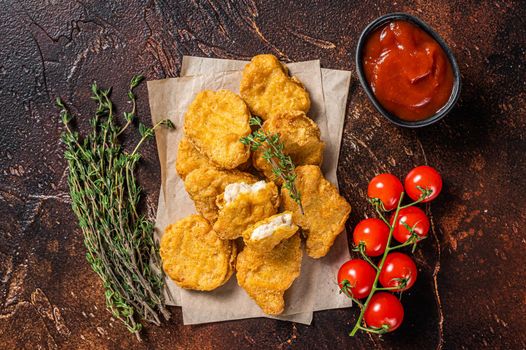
pixel 470 292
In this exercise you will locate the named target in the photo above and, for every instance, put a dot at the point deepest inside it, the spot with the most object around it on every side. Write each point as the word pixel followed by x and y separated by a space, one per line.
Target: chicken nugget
pixel 189 159
pixel 214 123
pixel 264 235
pixel 206 183
pixel 266 276
pixel 194 257
pixel 325 210
pixel 242 205
pixel 267 88
pixel 300 137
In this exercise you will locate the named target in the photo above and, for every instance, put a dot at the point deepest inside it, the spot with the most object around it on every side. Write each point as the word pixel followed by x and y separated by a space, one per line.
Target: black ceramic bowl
pixel 361 74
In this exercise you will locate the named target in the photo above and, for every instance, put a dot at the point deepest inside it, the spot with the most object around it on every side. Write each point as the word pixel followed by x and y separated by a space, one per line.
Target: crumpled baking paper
pixel 316 288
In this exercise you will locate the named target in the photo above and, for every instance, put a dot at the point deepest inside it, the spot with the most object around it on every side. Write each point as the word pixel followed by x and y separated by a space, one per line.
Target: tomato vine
pixel 414 238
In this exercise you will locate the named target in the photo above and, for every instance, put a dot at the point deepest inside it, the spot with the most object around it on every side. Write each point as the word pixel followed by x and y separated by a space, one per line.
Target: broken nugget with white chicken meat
pixel 242 205
pixel 206 183
pixel 266 234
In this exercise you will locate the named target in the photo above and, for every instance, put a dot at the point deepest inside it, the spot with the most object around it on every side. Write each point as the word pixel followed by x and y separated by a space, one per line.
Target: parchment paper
pixel 169 98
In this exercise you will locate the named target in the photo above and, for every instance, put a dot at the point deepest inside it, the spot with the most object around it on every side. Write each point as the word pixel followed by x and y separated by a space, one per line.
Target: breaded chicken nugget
pixel 268 89
pixel 266 276
pixel 325 210
pixel 194 256
pixel 189 159
pixel 214 123
pixel 301 139
pixel 243 204
pixel 264 235
pixel 205 184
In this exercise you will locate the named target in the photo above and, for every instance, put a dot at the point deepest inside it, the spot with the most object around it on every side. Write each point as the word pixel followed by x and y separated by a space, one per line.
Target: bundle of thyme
pixel 105 197
pixel 282 165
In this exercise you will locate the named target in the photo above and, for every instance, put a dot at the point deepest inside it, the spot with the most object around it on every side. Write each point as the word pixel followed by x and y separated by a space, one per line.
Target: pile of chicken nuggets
pixel 247 223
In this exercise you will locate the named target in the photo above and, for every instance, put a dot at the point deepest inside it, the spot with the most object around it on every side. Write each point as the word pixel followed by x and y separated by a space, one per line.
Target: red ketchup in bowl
pixel 408 71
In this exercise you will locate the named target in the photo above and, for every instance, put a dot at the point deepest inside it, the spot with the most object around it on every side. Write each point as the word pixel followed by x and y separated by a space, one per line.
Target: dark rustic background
pixel 470 292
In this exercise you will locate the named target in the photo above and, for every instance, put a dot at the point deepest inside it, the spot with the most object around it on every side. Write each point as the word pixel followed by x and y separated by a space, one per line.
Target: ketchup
pixel 408 71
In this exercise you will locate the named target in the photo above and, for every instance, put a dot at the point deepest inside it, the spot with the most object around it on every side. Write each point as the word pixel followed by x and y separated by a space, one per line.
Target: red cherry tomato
pixel 426 177
pixel 397 268
pixel 360 275
pixel 384 309
pixel 413 217
pixel 387 188
pixel 374 234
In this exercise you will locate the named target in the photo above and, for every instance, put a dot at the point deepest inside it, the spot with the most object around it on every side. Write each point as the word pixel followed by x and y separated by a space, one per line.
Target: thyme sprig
pixel 105 196
pixel 282 165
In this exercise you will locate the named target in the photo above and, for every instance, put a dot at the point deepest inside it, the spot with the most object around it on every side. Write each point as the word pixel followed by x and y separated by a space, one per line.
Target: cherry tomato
pixel 397 268
pixel 384 309
pixel 426 177
pixel 413 217
pixel 387 188
pixel 360 275
pixel 374 234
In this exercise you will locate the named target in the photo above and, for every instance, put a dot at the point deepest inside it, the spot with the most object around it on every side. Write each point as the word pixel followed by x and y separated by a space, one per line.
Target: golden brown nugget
pixel 189 159
pixel 266 276
pixel 214 123
pixel 194 257
pixel 242 205
pixel 266 234
pixel 268 89
pixel 300 137
pixel 205 184
pixel 325 210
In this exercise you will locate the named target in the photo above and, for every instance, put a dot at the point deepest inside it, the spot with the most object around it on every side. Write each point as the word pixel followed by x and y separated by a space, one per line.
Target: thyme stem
pixel 282 164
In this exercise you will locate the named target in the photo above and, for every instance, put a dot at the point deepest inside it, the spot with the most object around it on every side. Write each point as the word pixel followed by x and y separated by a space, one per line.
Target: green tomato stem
pixel 372 330
pixel 408 242
pixel 361 249
pixel 379 212
pixel 388 288
pixel 375 288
